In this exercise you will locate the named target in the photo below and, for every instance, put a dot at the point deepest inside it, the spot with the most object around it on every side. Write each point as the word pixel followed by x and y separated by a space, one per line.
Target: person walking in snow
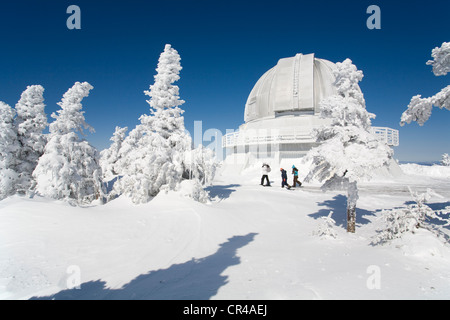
pixel 284 179
pixel 265 171
pixel 295 173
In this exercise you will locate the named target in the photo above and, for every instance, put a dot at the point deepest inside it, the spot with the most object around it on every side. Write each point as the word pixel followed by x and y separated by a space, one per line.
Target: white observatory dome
pixel 282 111
pixel 295 85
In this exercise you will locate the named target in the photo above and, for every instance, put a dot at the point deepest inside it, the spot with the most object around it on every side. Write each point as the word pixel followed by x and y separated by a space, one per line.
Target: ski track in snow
pixel 250 242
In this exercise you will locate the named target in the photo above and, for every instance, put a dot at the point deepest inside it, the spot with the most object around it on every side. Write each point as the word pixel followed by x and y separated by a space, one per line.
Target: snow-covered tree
pixel 201 164
pixel 31 122
pixel 445 161
pixel 193 189
pixel 325 229
pixel 410 219
pixel 348 151
pixel 9 146
pixel 69 168
pixel 441 59
pixel 419 109
pixel 70 118
pixel 110 156
pixel 152 156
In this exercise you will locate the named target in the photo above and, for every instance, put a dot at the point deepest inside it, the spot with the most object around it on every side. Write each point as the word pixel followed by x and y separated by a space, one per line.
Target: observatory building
pixel 283 109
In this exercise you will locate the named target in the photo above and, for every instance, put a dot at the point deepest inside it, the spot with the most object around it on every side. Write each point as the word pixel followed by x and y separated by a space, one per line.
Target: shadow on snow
pixel 339 207
pixel 437 207
pixel 222 191
pixel 197 279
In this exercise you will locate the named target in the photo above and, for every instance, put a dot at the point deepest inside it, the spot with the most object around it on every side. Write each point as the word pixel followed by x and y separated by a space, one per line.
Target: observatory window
pixel 252 108
pixel 294 113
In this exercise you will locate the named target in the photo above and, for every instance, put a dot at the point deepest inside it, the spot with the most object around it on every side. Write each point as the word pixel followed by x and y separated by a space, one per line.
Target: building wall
pixel 276 152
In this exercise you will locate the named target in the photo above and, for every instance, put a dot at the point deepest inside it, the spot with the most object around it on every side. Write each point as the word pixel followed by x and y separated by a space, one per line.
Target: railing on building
pixel 388 135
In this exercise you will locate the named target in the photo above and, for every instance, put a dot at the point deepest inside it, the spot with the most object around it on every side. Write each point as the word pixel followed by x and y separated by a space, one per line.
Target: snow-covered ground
pixel 432 171
pixel 250 242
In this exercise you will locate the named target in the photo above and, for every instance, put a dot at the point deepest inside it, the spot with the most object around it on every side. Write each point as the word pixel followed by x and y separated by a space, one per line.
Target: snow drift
pixel 248 242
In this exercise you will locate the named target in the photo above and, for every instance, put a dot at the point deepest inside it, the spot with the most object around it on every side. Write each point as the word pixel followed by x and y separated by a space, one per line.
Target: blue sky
pixel 225 47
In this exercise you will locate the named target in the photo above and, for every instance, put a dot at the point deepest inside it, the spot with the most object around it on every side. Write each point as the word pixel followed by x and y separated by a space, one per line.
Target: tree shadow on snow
pixel 197 279
pixel 222 191
pixel 339 207
pixel 437 207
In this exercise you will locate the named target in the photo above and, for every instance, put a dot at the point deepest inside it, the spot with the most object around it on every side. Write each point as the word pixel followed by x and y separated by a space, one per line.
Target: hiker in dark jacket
pixel 295 173
pixel 284 179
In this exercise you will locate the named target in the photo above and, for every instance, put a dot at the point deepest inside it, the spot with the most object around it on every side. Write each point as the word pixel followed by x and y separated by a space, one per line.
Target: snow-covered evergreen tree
pixel 152 156
pixel 70 118
pixel 193 189
pixel 31 122
pixel 419 109
pixel 441 59
pixel 9 146
pixel 409 219
pixel 445 161
pixel 325 229
pixel 69 168
pixel 109 157
pixel 348 151
pixel 201 164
